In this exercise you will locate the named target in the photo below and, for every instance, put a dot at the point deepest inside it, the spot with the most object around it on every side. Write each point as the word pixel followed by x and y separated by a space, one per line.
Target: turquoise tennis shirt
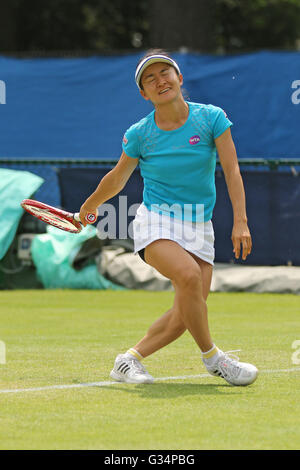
pixel 178 166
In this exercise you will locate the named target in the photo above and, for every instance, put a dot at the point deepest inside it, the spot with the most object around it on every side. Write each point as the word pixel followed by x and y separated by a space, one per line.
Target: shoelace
pixel 232 356
pixel 137 365
pixel 231 361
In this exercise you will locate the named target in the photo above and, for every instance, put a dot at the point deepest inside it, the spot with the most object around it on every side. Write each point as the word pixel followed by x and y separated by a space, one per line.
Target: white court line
pixel 105 384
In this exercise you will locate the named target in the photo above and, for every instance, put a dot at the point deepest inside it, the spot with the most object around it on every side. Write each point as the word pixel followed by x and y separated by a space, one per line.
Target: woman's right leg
pixel 170 326
pixel 172 261
pixel 163 331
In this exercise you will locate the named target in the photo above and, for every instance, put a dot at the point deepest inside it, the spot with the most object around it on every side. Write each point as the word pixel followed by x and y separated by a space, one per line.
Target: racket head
pixel 52 215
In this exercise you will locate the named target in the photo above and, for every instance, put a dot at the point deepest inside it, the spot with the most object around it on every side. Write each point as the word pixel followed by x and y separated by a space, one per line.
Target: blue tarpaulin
pixel 80 108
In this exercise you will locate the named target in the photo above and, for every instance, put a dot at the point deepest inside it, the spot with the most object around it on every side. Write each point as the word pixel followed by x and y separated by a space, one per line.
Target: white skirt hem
pixel 144 234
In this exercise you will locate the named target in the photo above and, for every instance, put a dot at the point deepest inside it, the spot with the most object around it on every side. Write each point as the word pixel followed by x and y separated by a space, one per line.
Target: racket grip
pixel 90 218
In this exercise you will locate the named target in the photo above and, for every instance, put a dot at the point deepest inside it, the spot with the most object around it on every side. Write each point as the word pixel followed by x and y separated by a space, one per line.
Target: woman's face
pixel 161 83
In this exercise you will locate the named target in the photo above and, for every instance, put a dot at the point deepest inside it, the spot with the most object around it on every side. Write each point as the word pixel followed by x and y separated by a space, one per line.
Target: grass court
pixel 60 346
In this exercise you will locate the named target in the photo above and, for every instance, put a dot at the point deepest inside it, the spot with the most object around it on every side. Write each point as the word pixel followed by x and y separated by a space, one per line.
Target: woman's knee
pixel 189 278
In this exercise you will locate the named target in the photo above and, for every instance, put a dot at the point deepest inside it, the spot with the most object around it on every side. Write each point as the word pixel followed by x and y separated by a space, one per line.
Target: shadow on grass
pixel 173 390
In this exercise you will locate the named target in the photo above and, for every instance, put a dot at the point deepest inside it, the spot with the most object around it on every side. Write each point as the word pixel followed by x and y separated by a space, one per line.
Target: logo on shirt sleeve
pixel 125 140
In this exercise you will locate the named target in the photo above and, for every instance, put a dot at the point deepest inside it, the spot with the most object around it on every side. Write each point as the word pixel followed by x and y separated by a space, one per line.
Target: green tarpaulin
pixel 53 254
pixel 14 187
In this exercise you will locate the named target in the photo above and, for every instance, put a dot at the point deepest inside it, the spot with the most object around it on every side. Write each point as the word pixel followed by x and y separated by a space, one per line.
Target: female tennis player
pixel 175 146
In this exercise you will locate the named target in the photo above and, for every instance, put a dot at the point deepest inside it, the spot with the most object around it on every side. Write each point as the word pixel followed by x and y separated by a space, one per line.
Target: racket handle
pixel 90 218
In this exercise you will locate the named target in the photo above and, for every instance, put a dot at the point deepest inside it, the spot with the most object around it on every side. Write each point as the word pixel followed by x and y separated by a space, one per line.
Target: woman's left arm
pixel 228 159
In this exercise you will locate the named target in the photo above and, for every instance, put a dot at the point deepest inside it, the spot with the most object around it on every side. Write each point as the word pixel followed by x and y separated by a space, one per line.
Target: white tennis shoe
pixel 234 372
pixel 129 369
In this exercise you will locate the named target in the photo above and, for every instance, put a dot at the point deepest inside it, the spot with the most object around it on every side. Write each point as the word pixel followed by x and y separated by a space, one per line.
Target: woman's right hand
pixel 110 185
pixel 84 211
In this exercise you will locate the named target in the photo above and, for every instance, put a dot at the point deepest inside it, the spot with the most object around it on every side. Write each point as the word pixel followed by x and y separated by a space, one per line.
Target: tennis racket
pixel 56 217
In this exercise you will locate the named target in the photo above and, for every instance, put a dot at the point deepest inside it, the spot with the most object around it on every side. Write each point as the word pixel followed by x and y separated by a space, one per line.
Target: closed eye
pixel 149 79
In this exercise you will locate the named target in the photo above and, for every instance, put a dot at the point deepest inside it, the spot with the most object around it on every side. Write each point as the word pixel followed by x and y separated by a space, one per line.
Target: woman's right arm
pixel 110 185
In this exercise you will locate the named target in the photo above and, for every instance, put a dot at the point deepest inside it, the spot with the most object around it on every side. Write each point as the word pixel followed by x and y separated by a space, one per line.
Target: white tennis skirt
pixel 196 237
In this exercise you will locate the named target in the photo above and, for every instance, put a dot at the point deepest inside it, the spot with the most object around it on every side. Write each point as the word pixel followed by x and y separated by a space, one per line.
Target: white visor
pixel 152 60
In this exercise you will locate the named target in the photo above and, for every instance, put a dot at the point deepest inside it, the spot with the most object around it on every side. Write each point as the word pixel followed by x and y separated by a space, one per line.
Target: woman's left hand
pixel 241 237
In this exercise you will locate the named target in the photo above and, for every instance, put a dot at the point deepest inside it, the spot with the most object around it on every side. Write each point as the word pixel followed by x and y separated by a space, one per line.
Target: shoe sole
pixel 250 381
pixel 238 384
pixel 119 378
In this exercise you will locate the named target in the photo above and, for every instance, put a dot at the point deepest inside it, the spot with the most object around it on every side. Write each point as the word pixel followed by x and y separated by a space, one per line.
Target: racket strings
pixel 53 219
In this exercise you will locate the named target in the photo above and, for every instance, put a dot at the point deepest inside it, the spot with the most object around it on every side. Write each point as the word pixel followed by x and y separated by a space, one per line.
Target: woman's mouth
pixel 165 90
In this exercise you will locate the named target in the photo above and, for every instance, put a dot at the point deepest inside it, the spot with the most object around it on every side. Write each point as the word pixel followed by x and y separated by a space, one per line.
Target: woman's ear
pixel 144 95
